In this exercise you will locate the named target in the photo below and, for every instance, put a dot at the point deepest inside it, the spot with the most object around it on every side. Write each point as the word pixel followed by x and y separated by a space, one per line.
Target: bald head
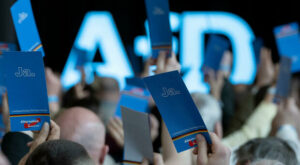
pixel 84 127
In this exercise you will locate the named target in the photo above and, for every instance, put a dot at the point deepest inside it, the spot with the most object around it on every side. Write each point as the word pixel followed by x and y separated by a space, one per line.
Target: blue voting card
pixel 7 46
pixel 137 137
pixel 283 79
pixel 134 96
pixel 24 79
pixel 257 45
pixel 288 43
pixel 27 33
pixel 159 26
pixel 177 109
pixel 216 46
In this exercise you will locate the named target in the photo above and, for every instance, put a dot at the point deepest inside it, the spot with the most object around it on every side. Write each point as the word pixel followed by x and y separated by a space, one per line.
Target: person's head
pixel 210 111
pixel 59 152
pixel 270 148
pixel 106 89
pixel 84 127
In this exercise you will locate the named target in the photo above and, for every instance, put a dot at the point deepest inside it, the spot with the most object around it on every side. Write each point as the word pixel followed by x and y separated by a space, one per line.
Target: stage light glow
pixel 98 32
pixel 195 25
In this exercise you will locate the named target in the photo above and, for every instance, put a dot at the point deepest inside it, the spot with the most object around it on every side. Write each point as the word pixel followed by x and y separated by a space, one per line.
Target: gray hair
pixel 266 148
pixel 209 109
pixel 266 162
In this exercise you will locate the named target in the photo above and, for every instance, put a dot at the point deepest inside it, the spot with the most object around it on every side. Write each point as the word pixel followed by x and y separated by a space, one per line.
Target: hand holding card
pixel 220 154
pixel 177 109
pixel 165 64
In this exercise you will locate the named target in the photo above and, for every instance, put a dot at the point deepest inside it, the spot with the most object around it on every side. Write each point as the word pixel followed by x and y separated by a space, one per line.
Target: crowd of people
pixel 245 125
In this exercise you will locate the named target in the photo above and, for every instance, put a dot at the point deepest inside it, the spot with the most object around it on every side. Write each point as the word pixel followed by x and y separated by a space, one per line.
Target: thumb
pixel 202 150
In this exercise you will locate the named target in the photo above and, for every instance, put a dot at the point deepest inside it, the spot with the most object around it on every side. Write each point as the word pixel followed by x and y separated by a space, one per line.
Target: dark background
pixel 58 21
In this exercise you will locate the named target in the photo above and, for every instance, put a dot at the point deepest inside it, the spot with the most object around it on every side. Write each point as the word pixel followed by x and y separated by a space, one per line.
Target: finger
pixel 116 133
pixel 195 151
pixel 211 76
pixel 147 65
pixel 281 106
pixel 154 123
pixel 216 142
pixel 220 76
pixel 117 126
pixel 29 144
pixel 202 150
pixel 292 105
pixel 145 162
pixel 291 101
pixel 54 131
pixel 218 149
pixel 117 137
pixel 161 61
pixel 42 136
pixel 47 72
pixel 158 160
pixel 119 122
pixel 172 58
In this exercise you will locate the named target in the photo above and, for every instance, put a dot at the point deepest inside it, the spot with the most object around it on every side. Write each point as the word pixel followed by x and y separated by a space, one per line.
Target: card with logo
pixel 27 33
pixel 288 43
pixel 177 109
pixel 137 137
pixel 215 49
pixel 24 79
pixel 159 26
pixel 134 96
pixel 284 79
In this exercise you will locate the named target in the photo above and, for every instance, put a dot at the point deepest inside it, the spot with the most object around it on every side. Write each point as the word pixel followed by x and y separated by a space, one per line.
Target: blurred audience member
pixel 222 90
pixel 54 90
pixel 106 90
pixel 59 152
pixel 210 111
pixel 266 148
pixel 258 124
pixel 10 141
